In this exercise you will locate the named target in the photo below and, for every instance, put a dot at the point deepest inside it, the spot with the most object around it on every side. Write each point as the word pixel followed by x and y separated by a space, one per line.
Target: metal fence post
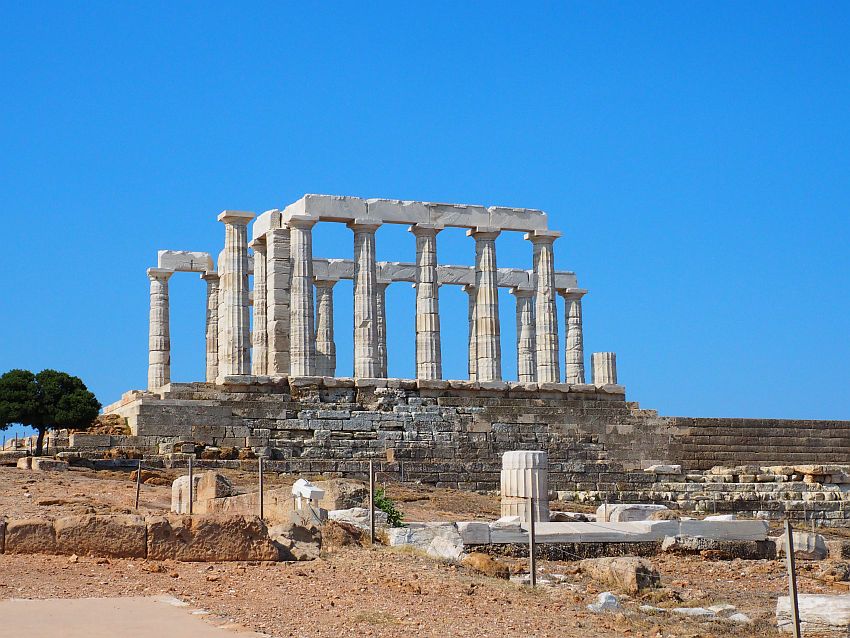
pixel 191 486
pixel 261 487
pixel 792 578
pixel 138 484
pixel 532 558
pixel 371 502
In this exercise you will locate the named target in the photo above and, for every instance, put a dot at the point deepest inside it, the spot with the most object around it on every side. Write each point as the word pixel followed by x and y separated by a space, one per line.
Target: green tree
pixel 47 400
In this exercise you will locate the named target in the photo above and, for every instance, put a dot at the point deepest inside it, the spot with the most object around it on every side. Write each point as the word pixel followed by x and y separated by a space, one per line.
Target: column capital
pixel 469 289
pixel 302 222
pixel 542 236
pixel 361 224
pixel 210 277
pixel 257 242
pixel 522 292
pixel 324 283
pixel 235 217
pixel 482 232
pixel 426 230
pixel 571 294
pixel 159 273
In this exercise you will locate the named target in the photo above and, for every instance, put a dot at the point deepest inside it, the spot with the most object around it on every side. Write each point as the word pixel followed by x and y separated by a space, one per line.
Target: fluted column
pixel 367 361
pixel 278 274
pixel 212 325
pixel 325 345
pixel 159 332
pixel 302 347
pixel 574 338
pixel 234 337
pixel 472 356
pixel 381 306
pixel 545 306
pixel 603 368
pixel 488 349
pixel 259 342
pixel 525 335
pixel 429 363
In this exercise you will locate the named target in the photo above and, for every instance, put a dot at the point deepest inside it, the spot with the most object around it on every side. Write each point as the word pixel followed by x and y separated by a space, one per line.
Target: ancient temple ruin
pixel 277 392
pixel 292 296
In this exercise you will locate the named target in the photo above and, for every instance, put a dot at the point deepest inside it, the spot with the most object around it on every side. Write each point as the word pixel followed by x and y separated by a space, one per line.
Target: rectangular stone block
pixel 119 536
pixel 90 440
pixel 30 536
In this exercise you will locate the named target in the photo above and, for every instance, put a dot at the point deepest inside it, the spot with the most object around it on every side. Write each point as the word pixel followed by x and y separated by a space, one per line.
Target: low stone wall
pixel 183 538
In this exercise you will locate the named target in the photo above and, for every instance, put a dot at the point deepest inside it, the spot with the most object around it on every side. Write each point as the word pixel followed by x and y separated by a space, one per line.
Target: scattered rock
pixel 246 454
pixel 835 572
pixel 341 494
pixel 486 564
pixel 568 517
pixel 699 612
pixel 296 542
pixel 629 574
pixel 336 534
pixel 739 617
pixel 606 601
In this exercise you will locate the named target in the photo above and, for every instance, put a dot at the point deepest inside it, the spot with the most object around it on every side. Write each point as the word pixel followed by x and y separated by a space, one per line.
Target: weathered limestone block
pixel 807 545
pixel 524 476
pixel 818 613
pixel 213 485
pixel 40 464
pixel 720 549
pixel 358 516
pixel 629 574
pixel 209 538
pixel 121 536
pixel 180 493
pixel 474 532
pixel 30 536
pixel 437 540
pixel 342 494
pixel 24 463
pixel 81 440
pixel 11 457
pixel 625 512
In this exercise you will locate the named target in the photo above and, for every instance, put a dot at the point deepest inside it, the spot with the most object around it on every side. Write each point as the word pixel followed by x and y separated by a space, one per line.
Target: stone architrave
pixel 574 338
pixel 603 368
pixel 472 364
pixel 159 335
pixel 325 344
pixel 545 307
pixel 302 346
pixel 278 274
pixel 259 342
pixel 367 362
pixel 234 321
pixel 487 331
pixel 525 335
pixel 212 325
pixel 428 351
pixel 381 305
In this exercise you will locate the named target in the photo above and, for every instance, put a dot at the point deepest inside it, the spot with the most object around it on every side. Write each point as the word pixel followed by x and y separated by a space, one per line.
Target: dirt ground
pixel 380 591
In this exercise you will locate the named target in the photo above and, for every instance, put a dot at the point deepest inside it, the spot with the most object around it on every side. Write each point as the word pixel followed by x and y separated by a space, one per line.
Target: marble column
pixel 574 339
pixel 212 325
pixel 159 332
pixel 488 348
pixel 259 342
pixel 367 361
pixel 302 346
pixel 278 274
pixel 545 307
pixel 472 364
pixel 526 354
pixel 603 368
pixel 325 345
pixel 381 306
pixel 234 336
pixel 429 364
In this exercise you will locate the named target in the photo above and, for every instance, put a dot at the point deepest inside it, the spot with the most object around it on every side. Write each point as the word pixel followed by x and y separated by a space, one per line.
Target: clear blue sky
pixel 696 157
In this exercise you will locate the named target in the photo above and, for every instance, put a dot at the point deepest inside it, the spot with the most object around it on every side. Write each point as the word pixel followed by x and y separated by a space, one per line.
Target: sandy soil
pixel 379 591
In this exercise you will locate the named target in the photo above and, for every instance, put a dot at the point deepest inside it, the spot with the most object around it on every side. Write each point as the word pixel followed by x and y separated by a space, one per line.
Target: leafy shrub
pixel 386 504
